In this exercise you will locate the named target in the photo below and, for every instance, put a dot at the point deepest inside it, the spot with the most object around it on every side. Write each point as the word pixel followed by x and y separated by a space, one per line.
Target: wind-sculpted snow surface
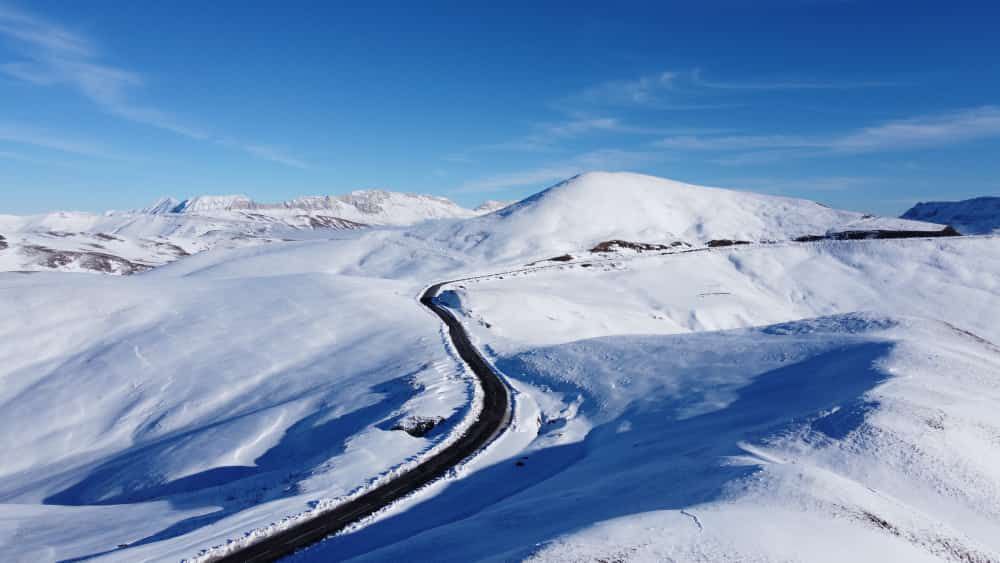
pixel 201 408
pixel 665 432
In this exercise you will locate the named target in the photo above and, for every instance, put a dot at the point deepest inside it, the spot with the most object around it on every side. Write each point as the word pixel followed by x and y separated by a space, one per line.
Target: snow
pixel 599 206
pixel 243 399
pixel 130 242
pixel 208 203
pixel 980 215
pixel 822 401
pixel 374 207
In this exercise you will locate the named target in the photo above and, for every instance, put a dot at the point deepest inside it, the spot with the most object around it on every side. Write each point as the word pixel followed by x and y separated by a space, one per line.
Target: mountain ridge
pixel 378 206
pixel 976 216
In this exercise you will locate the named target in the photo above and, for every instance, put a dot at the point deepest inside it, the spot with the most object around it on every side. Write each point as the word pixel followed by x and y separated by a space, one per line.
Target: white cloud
pixel 26 135
pixel 593 160
pixel 914 133
pixel 42 35
pixel 519 179
pixel 690 90
pixel 546 135
pixel 274 154
pixel 54 56
pixel 926 131
pixel 643 90
pixel 809 184
pixel 698 80
pixel 737 142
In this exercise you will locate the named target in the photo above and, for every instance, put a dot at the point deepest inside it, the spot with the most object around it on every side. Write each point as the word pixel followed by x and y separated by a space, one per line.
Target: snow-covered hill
pixel 599 206
pixel 980 215
pixel 822 402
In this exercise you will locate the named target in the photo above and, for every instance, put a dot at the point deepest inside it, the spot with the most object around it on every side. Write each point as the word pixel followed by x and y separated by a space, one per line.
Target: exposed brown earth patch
pixel 330 222
pixel 418 426
pixel 94 261
pixel 563 258
pixel 616 245
pixel 948 231
pixel 725 242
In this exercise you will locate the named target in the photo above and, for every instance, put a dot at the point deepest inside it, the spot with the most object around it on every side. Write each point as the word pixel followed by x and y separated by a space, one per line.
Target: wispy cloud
pixel 738 142
pixel 607 159
pixel 52 55
pixel 808 184
pixel 926 131
pixel 698 79
pixel 642 90
pixel 913 133
pixel 545 135
pixel 691 90
pixel 26 135
pixel 668 91
pixel 550 137
pixel 266 152
pixel 518 179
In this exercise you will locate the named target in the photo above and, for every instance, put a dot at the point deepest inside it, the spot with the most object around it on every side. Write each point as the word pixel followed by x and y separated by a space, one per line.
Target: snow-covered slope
pixel 600 206
pixel 821 402
pixel 171 412
pixel 980 215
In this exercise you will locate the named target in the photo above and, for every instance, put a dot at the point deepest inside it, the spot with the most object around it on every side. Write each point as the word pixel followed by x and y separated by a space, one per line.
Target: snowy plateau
pixel 696 374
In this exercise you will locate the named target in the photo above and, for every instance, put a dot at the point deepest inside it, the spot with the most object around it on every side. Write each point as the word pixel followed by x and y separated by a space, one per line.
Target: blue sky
pixel 864 105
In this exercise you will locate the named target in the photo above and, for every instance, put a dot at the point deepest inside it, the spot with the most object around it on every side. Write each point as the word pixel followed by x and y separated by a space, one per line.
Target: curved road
pixel 494 419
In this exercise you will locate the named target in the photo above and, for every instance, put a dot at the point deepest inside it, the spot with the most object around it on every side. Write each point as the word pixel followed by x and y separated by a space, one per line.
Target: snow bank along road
pixel 493 419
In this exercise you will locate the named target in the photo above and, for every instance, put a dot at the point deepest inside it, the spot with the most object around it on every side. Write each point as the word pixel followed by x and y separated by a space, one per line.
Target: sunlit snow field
pixel 781 401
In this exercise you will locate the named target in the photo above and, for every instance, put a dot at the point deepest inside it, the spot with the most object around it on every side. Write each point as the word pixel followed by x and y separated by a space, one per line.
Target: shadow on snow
pixel 662 464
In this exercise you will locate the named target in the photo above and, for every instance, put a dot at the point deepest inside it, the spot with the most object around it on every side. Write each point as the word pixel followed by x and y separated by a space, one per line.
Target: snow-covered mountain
pixel 599 206
pixel 370 207
pixel 571 216
pixel 975 216
pixel 135 241
pixel 127 243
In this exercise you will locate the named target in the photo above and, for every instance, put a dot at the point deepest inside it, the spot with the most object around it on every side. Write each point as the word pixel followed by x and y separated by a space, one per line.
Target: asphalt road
pixel 494 419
